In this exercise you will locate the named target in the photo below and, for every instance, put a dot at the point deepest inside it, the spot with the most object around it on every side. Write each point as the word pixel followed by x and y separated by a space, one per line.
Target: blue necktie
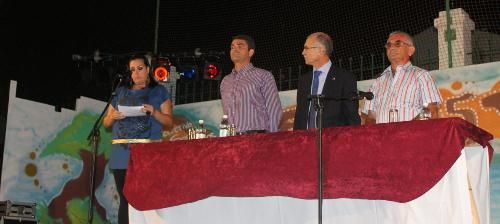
pixel 314 91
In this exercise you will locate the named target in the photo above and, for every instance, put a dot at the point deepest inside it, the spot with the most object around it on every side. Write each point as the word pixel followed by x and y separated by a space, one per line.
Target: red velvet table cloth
pixel 396 162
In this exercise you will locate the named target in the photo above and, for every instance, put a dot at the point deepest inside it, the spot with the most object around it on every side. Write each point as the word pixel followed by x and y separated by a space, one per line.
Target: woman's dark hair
pixel 152 80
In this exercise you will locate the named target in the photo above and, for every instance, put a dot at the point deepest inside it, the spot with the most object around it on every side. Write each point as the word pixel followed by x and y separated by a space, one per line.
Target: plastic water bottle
pixel 224 127
pixel 201 131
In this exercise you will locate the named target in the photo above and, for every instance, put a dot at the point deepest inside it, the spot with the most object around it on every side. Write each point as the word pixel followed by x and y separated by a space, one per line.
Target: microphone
pixel 120 79
pixel 367 95
pixel 123 75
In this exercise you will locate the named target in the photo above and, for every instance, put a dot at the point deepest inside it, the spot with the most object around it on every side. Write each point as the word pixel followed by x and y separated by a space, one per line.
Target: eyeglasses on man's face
pixel 397 44
pixel 137 68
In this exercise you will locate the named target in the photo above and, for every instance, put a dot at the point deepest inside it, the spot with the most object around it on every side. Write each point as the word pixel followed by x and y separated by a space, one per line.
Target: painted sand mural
pixel 47 157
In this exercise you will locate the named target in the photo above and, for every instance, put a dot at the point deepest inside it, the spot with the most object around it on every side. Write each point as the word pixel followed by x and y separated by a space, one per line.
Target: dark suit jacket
pixel 339 84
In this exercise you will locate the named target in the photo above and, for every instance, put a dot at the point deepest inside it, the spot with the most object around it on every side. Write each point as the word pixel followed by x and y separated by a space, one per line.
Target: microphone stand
pixel 93 138
pixel 317 101
pixel 318 104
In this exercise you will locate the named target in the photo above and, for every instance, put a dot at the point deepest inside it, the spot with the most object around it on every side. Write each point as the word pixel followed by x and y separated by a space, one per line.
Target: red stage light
pixel 161 73
pixel 162 70
pixel 212 71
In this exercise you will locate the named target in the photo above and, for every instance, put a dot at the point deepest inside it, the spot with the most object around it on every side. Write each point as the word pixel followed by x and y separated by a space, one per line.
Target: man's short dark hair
pixel 246 38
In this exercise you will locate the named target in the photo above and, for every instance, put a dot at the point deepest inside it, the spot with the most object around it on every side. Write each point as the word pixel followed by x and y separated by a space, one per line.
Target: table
pixel 377 172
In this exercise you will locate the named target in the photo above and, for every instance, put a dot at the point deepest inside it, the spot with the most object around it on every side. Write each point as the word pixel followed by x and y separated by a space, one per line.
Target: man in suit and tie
pixel 336 85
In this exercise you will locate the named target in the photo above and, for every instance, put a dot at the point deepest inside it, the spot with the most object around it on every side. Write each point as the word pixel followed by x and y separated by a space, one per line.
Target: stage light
pixel 188 71
pixel 212 71
pixel 162 70
pixel 161 73
pixel 97 56
pixel 187 67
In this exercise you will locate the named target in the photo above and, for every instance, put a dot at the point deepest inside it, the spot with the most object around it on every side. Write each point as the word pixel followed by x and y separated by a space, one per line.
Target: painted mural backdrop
pixel 47 158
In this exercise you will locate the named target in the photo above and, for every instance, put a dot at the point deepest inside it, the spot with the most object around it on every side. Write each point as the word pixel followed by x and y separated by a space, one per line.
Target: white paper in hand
pixel 131 111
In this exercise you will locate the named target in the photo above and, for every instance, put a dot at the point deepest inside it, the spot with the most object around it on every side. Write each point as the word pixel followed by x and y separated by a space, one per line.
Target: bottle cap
pixel 224 116
pixel 200 122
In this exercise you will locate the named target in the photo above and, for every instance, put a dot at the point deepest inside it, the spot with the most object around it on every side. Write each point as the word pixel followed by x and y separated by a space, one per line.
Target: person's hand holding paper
pixel 132 111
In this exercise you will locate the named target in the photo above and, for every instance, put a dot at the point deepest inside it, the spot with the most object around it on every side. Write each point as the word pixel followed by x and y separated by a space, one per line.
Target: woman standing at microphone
pixel 140 90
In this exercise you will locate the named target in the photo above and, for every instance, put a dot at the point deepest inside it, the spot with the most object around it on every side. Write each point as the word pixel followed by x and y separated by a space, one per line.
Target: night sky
pixel 38 38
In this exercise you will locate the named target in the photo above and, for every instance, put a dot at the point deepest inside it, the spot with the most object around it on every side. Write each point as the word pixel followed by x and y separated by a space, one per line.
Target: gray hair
pixel 405 34
pixel 325 40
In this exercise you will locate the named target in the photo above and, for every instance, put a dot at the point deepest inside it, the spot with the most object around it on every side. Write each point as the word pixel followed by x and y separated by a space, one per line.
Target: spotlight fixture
pixel 188 71
pixel 187 67
pixel 212 71
pixel 162 70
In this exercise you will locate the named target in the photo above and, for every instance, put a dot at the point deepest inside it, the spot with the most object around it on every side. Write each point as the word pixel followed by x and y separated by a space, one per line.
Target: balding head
pixel 325 40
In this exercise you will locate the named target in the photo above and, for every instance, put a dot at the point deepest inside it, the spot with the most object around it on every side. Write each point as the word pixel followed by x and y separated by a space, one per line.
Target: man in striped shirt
pixel 402 86
pixel 249 94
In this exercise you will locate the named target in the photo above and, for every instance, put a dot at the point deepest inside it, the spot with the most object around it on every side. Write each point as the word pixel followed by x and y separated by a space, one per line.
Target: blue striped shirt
pixel 250 99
